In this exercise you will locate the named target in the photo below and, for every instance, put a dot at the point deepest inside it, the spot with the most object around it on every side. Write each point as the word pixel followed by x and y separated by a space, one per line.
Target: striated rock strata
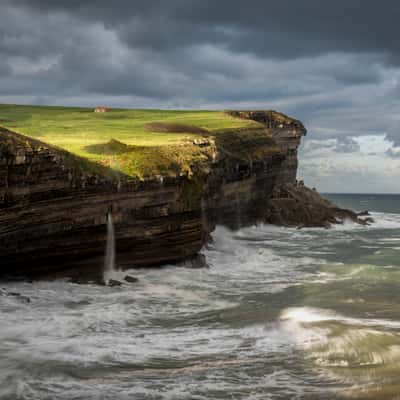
pixel 53 206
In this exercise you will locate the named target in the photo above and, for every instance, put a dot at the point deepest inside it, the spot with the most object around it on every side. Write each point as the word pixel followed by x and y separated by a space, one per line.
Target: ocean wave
pixel 381 221
pixel 336 341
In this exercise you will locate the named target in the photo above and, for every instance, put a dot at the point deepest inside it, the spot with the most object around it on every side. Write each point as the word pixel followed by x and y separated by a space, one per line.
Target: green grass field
pixel 136 148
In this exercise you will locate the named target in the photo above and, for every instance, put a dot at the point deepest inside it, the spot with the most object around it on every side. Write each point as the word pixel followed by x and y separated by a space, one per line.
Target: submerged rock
pixel 364 213
pixel 198 261
pixel 114 282
pixel 131 279
pixel 19 296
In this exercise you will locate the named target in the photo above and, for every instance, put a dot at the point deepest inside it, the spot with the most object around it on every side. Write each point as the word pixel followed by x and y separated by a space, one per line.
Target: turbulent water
pixel 280 314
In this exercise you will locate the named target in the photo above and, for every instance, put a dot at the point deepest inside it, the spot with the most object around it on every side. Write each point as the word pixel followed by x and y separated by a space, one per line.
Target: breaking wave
pixel 280 314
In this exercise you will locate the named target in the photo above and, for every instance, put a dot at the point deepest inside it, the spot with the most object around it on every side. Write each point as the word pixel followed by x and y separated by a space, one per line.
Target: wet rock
pixel 114 282
pixel 198 261
pixel 368 221
pixel 23 299
pixel 13 294
pixel 131 279
pixel 363 213
pixel 19 296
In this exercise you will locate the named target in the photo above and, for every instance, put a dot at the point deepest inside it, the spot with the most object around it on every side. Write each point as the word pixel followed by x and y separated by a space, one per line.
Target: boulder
pixel 131 279
pixel 114 282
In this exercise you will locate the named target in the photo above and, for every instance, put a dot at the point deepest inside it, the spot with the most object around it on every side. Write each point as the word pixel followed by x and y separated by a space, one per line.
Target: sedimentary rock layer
pixel 53 206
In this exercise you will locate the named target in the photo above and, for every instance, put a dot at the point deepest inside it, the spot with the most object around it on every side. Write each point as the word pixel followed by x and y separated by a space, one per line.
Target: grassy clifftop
pixel 138 142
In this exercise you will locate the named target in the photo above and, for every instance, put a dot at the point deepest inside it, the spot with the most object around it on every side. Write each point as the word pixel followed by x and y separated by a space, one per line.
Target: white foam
pixel 243 261
pixel 189 319
pixel 381 221
pixel 307 315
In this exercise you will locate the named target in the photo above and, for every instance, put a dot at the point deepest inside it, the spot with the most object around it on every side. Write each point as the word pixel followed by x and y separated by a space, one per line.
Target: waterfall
pixel 109 261
pixel 238 210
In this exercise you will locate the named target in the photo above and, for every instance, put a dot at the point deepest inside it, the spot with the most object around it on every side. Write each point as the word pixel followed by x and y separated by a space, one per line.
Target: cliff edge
pixel 54 203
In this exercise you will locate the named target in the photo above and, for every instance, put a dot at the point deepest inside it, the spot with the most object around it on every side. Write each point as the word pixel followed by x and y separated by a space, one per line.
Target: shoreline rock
pixel 295 205
pixel 131 279
pixel 18 296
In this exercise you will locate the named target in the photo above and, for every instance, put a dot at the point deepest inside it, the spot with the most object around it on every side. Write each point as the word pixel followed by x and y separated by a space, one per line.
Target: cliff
pixel 54 204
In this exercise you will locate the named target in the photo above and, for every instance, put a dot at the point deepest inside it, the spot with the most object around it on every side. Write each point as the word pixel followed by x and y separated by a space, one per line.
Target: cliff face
pixel 287 133
pixel 239 193
pixel 53 211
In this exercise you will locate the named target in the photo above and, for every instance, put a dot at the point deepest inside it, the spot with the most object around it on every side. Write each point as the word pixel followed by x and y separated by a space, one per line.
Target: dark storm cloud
pixel 200 52
pixel 172 46
pixel 394 136
pixel 5 69
pixel 27 34
pixel 333 64
pixel 285 29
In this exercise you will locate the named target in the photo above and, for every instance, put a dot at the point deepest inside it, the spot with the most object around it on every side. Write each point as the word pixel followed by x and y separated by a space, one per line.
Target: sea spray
pixel 109 261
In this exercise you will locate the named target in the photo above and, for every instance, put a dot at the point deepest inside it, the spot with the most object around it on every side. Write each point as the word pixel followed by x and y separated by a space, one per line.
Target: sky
pixel 335 65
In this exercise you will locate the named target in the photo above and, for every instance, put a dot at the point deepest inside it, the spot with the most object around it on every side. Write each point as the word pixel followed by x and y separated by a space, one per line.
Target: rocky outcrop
pixel 53 206
pixel 296 205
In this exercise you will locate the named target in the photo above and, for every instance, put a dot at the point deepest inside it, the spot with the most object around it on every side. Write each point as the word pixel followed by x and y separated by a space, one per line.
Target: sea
pixel 280 313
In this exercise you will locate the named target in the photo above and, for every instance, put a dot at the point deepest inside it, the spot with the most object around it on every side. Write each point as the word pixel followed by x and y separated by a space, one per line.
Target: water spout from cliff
pixel 109 261
pixel 238 222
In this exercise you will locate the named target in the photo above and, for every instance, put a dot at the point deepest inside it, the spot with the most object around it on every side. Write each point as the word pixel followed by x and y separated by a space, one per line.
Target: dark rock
pixel 363 213
pixel 114 282
pixel 297 205
pixel 24 299
pixel 131 279
pixel 13 294
pixel 368 221
pixel 198 261
pixel 19 296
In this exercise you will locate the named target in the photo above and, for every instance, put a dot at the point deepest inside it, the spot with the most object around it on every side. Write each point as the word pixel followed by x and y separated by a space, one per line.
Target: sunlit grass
pixel 74 129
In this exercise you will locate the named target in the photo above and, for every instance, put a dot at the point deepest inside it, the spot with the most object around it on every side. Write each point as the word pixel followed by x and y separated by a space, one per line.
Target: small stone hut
pixel 101 109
